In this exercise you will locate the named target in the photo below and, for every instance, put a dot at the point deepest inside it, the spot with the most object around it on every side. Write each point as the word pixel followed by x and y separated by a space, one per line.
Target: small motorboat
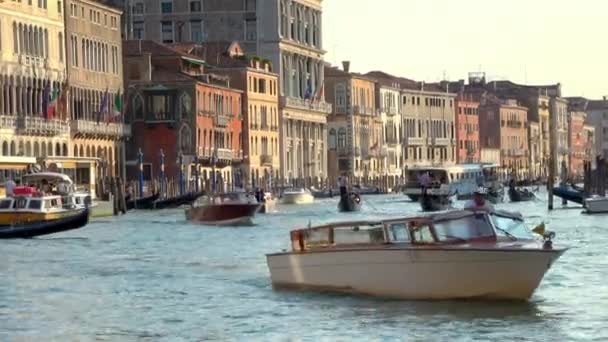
pixel 350 202
pixel 570 193
pixel 324 193
pixel 143 202
pixel 430 203
pixel 455 255
pixel 596 205
pixel 297 196
pixel 524 195
pixel 229 209
pixel 268 204
pixel 26 230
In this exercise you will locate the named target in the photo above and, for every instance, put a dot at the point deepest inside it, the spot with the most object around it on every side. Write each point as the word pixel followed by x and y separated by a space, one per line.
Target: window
pixel 340 98
pixel 138 107
pixel 160 107
pixel 166 6
pixel 167 32
pixel 398 233
pixel 342 138
pixel 465 228
pixel 61 47
pixel 186 105
pixel 251 30
pixel 332 138
pixel 196 31
pixel 138 30
pixel 510 226
pixel 138 8
pixel 59 7
pixel 422 233
pixel 250 5
pixel 195 6
pixel 35 204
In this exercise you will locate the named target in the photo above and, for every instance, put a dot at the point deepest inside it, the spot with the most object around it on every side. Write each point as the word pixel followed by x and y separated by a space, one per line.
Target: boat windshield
pixel 510 227
pixel 464 228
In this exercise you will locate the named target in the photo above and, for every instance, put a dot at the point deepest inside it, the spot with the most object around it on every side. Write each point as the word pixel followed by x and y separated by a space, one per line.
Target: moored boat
pixel 596 205
pixel 523 195
pixel 235 208
pixel 350 202
pixel 143 202
pixel 324 193
pixel 570 193
pixel 454 255
pixel 297 196
pixel 23 230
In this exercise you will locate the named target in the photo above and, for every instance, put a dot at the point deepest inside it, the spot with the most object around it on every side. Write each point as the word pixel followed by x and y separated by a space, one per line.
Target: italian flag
pixel 52 106
pixel 117 108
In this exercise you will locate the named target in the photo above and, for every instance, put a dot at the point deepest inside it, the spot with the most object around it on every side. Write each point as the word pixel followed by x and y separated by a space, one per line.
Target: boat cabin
pixel 46 204
pixel 451 228
pixel 462 179
pixel 226 198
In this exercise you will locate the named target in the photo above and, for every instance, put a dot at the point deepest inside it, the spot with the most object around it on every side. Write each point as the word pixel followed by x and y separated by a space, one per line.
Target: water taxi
pixel 453 255
pixel 227 209
pixel 459 180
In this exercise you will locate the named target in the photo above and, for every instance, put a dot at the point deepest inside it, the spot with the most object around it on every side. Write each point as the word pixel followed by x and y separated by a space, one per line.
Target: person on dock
pixel 478 203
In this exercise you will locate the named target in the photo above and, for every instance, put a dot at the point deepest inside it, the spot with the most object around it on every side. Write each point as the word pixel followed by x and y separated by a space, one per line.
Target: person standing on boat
pixel 342 186
pixel 9 187
pixel 478 203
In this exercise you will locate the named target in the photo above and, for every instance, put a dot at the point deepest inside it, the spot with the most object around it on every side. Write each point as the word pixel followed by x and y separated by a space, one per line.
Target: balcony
pixel 442 141
pixel 8 121
pixel 94 129
pixel 514 124
pixel 36 125
pixel 391 110
pixel 343 152
pixel 359 110
pixel 307 105
pixel 222 120
pixel 266 160
pixel 416 141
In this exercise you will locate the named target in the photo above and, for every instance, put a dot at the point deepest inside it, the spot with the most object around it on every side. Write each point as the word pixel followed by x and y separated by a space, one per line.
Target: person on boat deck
pixel 478 203
pixel 46 187
pixel 9 187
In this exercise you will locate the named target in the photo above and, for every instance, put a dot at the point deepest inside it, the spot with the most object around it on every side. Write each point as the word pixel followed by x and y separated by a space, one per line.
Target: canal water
pixel 152 276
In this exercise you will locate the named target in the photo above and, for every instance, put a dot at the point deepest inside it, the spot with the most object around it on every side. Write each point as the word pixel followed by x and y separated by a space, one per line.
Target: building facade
pixel 505 126
pixel 286 32
pixel 467 129
pixel 559 113
pixel 94 91
pixel 260 107
pixel 388 103
pixel 32 69
pixel 180 111
pixel 577 143
pixel 355 127
pixel 597 117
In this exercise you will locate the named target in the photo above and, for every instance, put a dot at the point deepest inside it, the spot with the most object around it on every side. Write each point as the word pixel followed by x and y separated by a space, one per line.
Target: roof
pixel 139 47
pixel 333 71
pixel 597 105
pixel 46 176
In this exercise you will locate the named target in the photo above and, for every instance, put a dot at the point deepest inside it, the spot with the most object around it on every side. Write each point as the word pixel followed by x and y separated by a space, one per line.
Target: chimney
pixel 346 66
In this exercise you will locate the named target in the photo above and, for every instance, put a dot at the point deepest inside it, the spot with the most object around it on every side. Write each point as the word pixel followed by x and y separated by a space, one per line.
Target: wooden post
pixel 564 179
pixel 114 197
pixel 122 203
pixel 552 157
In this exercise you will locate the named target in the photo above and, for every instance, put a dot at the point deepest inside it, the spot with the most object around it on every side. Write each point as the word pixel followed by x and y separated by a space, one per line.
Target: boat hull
pixel 223 214
pixel 349 203
pixel 597 205
pixel 297 199
pixel 416 274
pixel 77 219
pixel 24 216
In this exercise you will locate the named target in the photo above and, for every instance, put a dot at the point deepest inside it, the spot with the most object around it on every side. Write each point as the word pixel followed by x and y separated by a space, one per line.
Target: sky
pixel 526 41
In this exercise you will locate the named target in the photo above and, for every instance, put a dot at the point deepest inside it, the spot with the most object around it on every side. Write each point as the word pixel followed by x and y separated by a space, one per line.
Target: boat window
pixel 21 203
pixel 421 233
pixel 398 232
pixel 6 204
pixel 358 235
pixel 510 226
pixel 35 204
pixel 463 229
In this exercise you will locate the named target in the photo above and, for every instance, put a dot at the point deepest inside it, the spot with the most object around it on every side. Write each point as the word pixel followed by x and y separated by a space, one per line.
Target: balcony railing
pixel 360 110
pixel 40 126
pixel 222 120
pixel 220 153
pixel 442 141
pixel 391 110
pixel 392 141
pixel 416 141
pixel 266 160
pixel 298 103
pixel 84 127
pixel 8 121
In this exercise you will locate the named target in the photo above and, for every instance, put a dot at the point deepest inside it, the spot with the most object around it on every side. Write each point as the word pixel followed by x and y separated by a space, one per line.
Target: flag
pixel 319 94
pixel 52 106
pixel 540 229
pixel 117 108
pixel 103 108
pixel 308 93
pixel 46 94
pixel 62 103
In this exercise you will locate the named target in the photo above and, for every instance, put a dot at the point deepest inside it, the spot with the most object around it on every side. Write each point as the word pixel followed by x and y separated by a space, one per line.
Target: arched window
pixel 185 106
pixel 28 149
pixel 21 149
pixel 342 138
pixel 65 149
pixel 57 149
pixel 340 98
pixel 332 138
pixel 185 139
pixel 5 148
pixel 75 151
pixel 138 107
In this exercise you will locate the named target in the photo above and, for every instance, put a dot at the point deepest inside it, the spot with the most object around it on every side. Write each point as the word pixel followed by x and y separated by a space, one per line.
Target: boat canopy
pixel 51 177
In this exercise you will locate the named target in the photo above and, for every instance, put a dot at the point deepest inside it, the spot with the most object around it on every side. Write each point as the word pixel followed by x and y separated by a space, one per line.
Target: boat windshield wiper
pixel 509 235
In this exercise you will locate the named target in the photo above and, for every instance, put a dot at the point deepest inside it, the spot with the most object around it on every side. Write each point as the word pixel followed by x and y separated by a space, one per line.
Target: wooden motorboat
pixel 297 196
pixel 23 229
pixel 516 195
pixel 350 202
pixel 454 255
pixel 176 202
pixel 430 203
pixel 268 204
pixel 224 209
pixel 143 202
pixel 570 193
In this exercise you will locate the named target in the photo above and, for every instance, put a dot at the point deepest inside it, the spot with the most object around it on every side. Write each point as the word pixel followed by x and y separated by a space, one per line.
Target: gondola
pixel 176 202
pixel 30 230
pixel 516 195
pixel 431 203
pixel 570 193
pixel 142 203
pixel 350 202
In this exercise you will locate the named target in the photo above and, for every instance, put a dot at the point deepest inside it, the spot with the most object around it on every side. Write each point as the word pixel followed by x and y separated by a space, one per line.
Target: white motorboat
pixel 596 205
pixel 454 255
pixel 269 204
pixel 297 196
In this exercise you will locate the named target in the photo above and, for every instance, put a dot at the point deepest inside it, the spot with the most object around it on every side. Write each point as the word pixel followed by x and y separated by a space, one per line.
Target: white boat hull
pixel 303 198
pixel 416 274
pixel 596 205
